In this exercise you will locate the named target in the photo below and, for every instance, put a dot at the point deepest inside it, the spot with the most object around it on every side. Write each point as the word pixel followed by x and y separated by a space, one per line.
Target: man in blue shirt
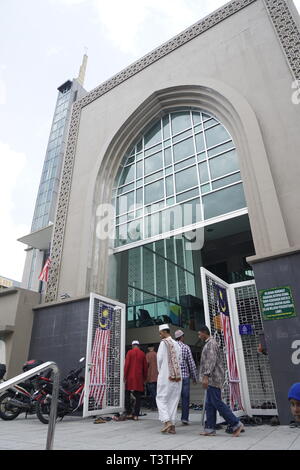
pixel 188 370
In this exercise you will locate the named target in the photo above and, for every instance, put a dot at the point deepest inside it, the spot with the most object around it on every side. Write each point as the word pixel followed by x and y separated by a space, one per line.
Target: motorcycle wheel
pixel 8 412
pixel 43 411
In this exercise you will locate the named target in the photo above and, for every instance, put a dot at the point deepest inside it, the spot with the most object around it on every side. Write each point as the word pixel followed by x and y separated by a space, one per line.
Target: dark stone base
pixel 282 335
pixel 59 334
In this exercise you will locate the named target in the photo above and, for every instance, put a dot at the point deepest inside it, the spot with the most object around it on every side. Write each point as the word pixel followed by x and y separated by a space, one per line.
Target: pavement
pixel 76 433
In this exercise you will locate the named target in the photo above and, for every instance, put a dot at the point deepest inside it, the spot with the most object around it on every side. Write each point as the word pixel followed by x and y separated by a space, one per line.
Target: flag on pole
pixel 234 380
pixel 45 271
pixel 99 355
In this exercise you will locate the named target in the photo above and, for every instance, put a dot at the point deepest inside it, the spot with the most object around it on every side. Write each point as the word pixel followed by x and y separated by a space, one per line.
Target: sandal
pixel 171 430
pixel 207 433
pixel 99 420
pixel 166 427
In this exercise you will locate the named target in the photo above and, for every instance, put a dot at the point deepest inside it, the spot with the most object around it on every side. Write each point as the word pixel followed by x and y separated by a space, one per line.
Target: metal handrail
pixel 26 375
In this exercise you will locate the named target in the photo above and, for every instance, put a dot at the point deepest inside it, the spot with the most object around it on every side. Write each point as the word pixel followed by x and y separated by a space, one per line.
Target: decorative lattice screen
pixel 104 387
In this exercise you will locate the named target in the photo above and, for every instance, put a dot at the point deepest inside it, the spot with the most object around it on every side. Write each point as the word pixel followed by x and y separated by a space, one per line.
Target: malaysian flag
pixel 45 271
pixel 100 354
pixel 234 380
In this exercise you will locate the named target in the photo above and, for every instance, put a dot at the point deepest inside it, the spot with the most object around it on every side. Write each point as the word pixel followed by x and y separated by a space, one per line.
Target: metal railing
pixel 26 375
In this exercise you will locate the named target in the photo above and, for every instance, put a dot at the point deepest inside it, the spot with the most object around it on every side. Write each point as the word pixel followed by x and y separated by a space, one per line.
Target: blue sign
pixel 246 329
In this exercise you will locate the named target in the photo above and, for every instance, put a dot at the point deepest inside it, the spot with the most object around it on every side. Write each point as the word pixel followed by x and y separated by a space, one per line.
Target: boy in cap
pixel 169 379
pixel 135 374
pixel 188 370
pixel 294 399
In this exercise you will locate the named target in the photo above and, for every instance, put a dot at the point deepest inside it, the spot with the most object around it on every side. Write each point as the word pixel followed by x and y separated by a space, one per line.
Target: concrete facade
pixel 59 333
pixel 235 70
pixel 16 319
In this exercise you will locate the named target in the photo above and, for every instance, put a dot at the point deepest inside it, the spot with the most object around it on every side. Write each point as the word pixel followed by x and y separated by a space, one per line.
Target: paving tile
pixel 75 433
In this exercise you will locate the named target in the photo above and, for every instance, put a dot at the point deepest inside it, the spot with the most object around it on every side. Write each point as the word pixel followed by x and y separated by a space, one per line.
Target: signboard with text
pixel 277 303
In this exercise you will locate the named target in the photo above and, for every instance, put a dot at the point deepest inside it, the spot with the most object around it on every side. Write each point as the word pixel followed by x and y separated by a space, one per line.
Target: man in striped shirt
pixel 188 370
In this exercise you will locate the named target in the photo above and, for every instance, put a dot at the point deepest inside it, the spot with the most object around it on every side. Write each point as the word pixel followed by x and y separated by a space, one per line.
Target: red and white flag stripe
pixel 45 271
pixel 99 361
pixel 234 380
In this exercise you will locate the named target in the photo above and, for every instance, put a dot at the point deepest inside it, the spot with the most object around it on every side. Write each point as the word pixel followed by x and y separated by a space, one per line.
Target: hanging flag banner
pixel 99 354
pixel 234 380
pixel 45 271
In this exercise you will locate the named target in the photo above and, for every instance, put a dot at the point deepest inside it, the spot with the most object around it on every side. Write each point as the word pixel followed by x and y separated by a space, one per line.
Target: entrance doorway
pixel 233 316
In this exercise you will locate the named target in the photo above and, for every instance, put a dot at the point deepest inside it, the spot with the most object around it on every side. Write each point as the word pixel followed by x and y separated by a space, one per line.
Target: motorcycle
pixel 69 396
pixel 20 397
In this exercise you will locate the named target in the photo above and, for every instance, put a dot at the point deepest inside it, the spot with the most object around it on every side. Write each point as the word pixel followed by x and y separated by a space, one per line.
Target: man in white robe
pixel 169 381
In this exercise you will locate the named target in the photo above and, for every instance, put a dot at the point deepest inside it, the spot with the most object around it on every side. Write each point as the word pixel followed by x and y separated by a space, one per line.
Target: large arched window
pixel 183 170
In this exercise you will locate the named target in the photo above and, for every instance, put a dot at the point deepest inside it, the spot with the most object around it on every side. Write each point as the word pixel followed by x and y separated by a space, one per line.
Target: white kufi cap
pixel 164 327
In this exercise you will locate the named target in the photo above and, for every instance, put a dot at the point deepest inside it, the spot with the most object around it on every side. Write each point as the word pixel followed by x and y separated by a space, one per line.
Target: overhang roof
pixel 40 239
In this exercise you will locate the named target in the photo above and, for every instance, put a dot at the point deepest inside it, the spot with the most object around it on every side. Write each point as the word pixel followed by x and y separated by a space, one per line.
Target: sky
pixel 42 43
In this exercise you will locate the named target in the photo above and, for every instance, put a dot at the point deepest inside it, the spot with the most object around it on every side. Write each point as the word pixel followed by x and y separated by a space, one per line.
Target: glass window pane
pixel 183 149
pixel 205 117
pixel 125 203
pixel 199 142
pixel 183 135
pixel 135 230
pixel 121 235
pixel 153 163
pixel 205 188
pixel 130 160
pixel 203 172
pixel 180 121
pixel 210 123
pixel 186 179
pixel 185 163
pixel 166 127
pixel 216 135
pixel 139 169
pixel 224 201
pixel 201 156
pixel 139 197
pixel 168 156
pixel 153 136
pixel 154 176
pixel 187 195
pixel 153 225
pixel 152 150
pixel 196 118
pixel 228 180
pixel 128 174
pixel 192 212
pixel 125 189
pixel 154 192
pixel 224 164
pixel 172 219
pixel 220 149
pixel 168 170
pixel 169 186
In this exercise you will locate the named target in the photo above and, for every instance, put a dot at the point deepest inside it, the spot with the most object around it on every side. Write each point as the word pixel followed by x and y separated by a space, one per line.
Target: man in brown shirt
pixel 151 382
